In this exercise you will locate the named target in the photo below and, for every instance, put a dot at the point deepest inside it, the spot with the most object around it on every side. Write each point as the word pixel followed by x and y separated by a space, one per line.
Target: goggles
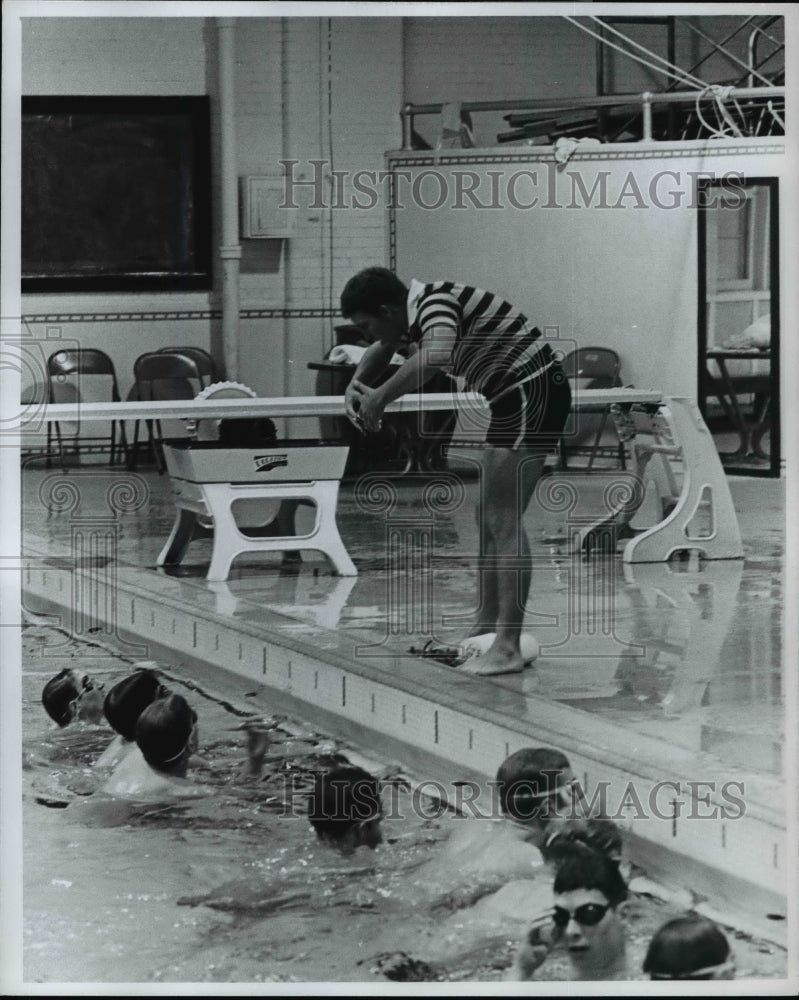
pixel 709 972
pixel 588 915
pixel 190 744
pixel 88 686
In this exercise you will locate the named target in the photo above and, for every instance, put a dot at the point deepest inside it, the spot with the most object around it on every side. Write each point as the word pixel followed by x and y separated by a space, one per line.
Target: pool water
pixel 231 887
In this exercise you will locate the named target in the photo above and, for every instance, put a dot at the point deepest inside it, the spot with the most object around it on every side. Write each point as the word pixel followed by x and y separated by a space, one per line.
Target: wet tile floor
pixel 687 651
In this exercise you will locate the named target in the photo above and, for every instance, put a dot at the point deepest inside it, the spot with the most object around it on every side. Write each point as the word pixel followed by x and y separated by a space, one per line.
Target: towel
pixel 566 146
pixel 756 337
pixel 351 354
pixel 346 354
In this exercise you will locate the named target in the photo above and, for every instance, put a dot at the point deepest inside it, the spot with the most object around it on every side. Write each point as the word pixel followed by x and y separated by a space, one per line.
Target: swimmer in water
pixel 494 872
pixel 122 707
pixel 493 875
pixel 588 890
pixel 345 809
pixel 537 813
pixel 72 696
pixel 166 737
pixel 689 947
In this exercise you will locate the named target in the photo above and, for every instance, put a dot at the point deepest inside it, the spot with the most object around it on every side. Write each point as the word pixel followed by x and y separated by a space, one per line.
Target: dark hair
pixel 371 288
pixel 247 432
pixel 597 833
pixel 163 730
pixel 340 799
pixel 126 701
pixel 685 945
pixel 584 868
pixel 527 777
pixel 57 697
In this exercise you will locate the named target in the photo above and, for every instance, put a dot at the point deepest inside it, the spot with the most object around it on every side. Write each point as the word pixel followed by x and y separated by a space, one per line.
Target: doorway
pixel 738 323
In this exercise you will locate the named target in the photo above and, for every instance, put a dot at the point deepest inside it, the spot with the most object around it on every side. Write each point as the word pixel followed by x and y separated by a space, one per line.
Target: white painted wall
pixel 624 275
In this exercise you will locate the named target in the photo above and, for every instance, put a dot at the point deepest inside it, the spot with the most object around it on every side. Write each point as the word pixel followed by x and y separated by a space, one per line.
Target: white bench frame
pixel 216 500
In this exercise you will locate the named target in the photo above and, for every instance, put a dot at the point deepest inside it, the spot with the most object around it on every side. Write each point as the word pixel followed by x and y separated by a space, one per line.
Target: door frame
pixel 705 189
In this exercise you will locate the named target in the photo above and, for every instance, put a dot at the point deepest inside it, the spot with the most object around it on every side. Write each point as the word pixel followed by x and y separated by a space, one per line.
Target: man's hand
pixel 534 949
pixel 364 406
pixel 352 404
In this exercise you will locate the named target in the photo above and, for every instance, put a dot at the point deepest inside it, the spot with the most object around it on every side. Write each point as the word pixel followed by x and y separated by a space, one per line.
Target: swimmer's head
pixel 166 734
pixel 72 695
pixel 532 783
pixel 600 834
pixel 345 809
pixel 588 888
pixel 126 700
pixel 689 947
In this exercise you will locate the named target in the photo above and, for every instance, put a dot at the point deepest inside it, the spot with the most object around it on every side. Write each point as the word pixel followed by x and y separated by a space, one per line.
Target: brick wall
pixel 127 57
pixel 304 90
pixel 155 56
pixel 305 93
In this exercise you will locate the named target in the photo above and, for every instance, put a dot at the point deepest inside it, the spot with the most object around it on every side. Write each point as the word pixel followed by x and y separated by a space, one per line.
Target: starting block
pixel 676 432
pixel 208 481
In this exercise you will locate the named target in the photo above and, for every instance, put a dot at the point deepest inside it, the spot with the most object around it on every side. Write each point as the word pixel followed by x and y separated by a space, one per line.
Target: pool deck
pixel 663 681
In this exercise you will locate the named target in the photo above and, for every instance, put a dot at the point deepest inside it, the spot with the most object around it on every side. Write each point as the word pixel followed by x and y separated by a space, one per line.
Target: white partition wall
pixel 602 248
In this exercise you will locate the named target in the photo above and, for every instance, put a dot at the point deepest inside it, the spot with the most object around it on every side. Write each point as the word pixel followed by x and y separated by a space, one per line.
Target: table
pixel 687 437
pixel 729 388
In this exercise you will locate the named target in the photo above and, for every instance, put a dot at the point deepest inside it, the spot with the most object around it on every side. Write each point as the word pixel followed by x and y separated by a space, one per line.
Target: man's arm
pixel 434 354
pixel 376 358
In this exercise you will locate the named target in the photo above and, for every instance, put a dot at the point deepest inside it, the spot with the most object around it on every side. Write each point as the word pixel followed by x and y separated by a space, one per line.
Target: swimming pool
pixel 229 888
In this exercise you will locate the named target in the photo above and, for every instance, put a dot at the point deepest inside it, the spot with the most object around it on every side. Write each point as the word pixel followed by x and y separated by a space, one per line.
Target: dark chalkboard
pixel 115 193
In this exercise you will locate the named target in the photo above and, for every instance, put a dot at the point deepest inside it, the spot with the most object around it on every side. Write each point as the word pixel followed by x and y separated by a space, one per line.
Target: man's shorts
pixel 532 415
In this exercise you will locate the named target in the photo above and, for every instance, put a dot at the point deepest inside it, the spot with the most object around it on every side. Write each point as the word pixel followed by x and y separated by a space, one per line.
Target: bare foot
pixel 495 661
pixel 478 629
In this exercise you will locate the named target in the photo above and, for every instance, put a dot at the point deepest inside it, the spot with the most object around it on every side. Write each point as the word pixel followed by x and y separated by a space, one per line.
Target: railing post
pixel 646 100
pixel 407 126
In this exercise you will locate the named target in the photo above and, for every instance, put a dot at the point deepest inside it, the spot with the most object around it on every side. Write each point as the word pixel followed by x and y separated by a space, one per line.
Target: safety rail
pixel 646 101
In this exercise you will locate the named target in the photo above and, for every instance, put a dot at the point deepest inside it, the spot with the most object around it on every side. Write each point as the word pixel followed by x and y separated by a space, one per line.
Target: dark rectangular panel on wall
pixel 115 194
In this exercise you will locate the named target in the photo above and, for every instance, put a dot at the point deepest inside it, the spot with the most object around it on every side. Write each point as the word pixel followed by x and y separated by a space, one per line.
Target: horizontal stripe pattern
pixel 495 343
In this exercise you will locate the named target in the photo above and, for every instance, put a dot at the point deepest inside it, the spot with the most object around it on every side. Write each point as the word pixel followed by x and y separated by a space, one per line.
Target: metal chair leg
pixel 60 448
pixel 123 440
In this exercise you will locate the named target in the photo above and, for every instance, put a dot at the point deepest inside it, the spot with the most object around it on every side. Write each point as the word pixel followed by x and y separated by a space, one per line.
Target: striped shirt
pixel 473 334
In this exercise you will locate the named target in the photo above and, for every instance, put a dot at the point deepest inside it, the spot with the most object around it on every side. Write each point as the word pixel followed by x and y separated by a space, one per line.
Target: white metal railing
pixel 646 101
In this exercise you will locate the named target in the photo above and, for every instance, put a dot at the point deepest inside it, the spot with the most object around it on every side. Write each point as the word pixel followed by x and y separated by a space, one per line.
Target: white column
pixel 229 248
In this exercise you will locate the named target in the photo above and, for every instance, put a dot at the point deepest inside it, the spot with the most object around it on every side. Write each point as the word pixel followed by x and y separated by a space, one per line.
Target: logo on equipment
pixel 265 463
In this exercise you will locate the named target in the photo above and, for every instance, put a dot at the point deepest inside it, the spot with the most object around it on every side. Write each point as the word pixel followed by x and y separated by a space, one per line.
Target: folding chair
pixel 80 362
pixel 206 365
pixel 592 368
pixel 159 375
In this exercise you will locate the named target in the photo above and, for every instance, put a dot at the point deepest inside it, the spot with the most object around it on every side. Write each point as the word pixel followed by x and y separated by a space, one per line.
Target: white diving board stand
pixel 699 515
pixel 677 428
pixel 209 482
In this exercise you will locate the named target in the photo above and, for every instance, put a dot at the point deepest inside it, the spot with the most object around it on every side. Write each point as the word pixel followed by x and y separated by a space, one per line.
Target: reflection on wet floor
pixel 689 650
